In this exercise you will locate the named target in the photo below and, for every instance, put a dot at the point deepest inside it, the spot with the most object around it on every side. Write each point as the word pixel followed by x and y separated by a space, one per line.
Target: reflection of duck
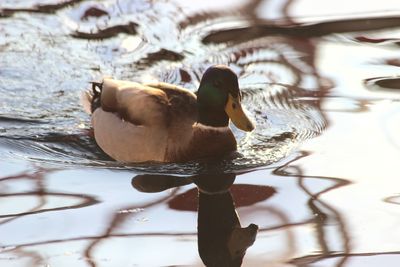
pixel 161 122
pixel 221 239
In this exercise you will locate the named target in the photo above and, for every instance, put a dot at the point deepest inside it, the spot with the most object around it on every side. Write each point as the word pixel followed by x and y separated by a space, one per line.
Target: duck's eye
pixel 234 105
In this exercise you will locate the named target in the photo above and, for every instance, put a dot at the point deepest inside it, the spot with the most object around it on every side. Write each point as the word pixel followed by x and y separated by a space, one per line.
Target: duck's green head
pixel 219 98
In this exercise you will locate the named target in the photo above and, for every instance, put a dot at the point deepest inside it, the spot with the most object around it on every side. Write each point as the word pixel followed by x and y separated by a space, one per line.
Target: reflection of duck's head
pixel 221 239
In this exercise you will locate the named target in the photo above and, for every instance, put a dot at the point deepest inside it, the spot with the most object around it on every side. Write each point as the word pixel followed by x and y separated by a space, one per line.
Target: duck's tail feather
pixel 90 99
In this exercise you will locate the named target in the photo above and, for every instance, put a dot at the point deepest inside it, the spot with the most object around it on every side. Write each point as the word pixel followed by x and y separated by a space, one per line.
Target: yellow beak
pixel 235 112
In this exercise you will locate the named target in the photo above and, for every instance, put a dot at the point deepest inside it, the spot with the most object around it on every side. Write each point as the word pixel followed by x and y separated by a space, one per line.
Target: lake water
pixel 319 177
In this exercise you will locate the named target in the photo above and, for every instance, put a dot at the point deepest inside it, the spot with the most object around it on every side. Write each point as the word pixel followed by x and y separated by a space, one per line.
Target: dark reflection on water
pixel 217 217
pixel 391 83
pixel 322 211
pixel 40 191
pixel 302 30
pixel 109 32
pixel 38 8
pixel 221 239
pixel 42 201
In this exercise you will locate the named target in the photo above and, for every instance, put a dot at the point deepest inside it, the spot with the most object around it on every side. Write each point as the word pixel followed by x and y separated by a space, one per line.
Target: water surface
pixel 317 177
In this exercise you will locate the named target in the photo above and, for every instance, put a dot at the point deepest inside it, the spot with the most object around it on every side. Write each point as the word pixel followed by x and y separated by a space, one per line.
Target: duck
pixel 161 122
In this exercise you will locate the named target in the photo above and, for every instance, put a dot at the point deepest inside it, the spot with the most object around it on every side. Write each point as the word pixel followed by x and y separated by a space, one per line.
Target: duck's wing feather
pixel 148 104
pixel 182 102
pixel 134 102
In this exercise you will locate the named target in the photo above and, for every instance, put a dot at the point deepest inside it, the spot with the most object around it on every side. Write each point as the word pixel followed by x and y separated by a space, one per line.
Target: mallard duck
pixel 162 122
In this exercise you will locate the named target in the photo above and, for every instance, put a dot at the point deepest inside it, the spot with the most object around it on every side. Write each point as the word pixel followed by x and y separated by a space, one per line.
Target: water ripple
pixel 41 119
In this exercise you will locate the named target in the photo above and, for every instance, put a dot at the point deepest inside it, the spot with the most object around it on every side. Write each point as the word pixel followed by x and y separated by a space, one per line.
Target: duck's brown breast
pixel 205 142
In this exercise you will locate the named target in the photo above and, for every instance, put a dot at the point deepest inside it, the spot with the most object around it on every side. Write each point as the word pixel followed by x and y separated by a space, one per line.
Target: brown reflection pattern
pixel 38 177
pixel 306 30
pixel 384 83
pixel 393 199
pixel 221 239
pixel 116 221
pixel 342 257
pixel 39 8
pixel 321 210
pixel 388 83
pixel 40 192
pixel 109 32
pixel 285 26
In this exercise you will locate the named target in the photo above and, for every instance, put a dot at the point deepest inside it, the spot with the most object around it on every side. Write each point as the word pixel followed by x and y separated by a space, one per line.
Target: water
pixel 318 176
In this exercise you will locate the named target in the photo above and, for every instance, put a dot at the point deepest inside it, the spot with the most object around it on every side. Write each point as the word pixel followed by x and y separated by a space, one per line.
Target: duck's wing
pixel 182 102
pixel 136 103
pixel 140 103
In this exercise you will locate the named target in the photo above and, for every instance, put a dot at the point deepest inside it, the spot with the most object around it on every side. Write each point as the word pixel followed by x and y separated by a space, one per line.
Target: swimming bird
pixel 161 122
